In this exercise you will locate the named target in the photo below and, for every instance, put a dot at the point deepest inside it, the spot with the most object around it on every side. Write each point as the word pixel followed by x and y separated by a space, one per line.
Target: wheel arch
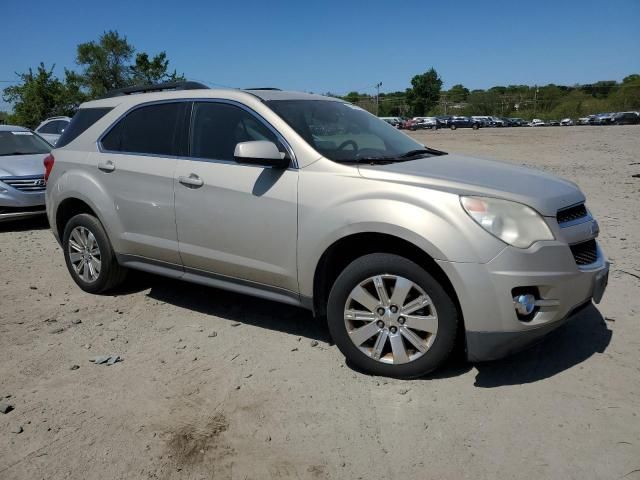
pixel 346 249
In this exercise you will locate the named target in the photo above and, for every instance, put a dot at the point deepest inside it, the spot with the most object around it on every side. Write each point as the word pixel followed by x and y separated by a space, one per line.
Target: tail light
pixel 48 166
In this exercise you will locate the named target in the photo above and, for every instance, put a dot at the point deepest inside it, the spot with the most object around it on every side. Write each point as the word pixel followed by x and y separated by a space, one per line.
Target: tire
pixel 453 127
pixel 413 363
pixel 87 228
pixel 475 126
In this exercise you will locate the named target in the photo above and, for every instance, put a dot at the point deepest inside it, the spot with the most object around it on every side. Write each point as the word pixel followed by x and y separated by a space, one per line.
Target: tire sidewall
pixel 377 264
pixel 106 252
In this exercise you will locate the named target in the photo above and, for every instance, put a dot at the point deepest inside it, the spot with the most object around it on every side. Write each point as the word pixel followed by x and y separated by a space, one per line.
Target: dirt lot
pixel 258 400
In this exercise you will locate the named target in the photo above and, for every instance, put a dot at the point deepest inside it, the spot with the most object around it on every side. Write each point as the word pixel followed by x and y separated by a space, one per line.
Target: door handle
pixel 193 181
pixel 107 166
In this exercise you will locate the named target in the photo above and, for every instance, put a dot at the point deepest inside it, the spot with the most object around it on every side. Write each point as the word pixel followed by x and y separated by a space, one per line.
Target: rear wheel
pixel 453 127
pixel 89 256
pixel 389 317
pixel 475 126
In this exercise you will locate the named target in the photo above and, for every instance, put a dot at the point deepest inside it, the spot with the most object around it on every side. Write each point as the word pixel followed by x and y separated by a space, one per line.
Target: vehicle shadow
pixel 39 222
pixel 236 307
pixel 568 346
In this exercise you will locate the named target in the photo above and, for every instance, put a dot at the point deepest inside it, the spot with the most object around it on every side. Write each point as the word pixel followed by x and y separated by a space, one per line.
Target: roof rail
pixel 265 88
pixel 158 87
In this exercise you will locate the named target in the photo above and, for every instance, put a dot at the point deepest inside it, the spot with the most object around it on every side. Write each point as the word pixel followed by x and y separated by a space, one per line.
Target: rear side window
pixel 81 121
pixel 153 129
pixel 54 127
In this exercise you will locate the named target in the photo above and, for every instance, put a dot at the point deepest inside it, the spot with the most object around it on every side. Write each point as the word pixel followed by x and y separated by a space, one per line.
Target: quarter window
pixel 152 129
pixel 216 129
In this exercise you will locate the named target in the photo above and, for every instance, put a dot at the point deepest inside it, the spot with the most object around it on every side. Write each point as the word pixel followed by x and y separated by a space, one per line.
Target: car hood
pixel 465 175
pixel 21 165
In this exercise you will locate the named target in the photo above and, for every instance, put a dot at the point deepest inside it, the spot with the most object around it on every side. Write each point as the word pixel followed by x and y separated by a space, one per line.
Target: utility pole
pixel 378 85
pixel 535 101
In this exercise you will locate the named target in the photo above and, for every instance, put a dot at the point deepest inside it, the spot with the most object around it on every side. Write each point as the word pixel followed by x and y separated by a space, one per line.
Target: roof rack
pixel 158 87
pixel 265 88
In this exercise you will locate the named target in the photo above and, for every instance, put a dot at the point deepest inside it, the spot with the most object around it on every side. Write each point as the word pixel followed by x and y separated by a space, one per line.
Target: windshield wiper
pixel 421 151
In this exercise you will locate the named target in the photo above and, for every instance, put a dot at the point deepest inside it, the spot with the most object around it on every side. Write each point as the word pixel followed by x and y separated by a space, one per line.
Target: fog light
pixel 524 304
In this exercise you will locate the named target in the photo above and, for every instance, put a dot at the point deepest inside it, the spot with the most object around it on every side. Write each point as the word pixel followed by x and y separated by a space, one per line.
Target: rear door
pixel 235 220
pixel 136 165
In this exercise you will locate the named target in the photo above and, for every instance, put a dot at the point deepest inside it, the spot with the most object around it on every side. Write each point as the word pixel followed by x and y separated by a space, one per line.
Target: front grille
pixel 585 253
pixel 572 213
pixel 33 183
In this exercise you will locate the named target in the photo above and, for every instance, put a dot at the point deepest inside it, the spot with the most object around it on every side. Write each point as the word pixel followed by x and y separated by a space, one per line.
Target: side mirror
pixel 260 152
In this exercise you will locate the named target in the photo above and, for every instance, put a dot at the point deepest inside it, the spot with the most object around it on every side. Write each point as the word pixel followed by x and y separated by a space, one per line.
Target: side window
pixel 49 127
pixel 61 125
pixel 81 121
pixel 216 129
pixel 153 129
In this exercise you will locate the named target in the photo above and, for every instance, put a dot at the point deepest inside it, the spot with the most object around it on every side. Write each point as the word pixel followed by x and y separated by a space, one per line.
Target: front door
pixel 235 221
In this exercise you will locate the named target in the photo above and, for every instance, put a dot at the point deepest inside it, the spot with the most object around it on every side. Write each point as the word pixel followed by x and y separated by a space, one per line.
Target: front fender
pixel 332 207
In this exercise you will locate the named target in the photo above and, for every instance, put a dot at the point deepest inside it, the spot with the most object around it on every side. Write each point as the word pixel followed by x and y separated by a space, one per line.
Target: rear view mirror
pixel 260 152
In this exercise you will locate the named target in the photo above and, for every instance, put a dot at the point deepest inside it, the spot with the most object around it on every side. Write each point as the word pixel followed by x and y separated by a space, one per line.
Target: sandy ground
pixel 260 400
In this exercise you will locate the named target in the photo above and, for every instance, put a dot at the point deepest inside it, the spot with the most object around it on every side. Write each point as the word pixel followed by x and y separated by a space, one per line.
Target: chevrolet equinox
pixel 312 201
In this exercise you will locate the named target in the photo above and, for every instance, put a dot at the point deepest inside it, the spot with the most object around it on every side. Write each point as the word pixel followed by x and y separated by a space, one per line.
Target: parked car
pixel 443 120
pixel 517 122
pixel 394 121
pixel 401 246
pixel 52 128
pixel 553 123
pixel 586 120
pixel 463 122
pixel 603 119
pixel 566 122
pixel 482 120
pixel 497 121
pixel 429 123
pixel 626 118
pixel 22 182
pixel 536 122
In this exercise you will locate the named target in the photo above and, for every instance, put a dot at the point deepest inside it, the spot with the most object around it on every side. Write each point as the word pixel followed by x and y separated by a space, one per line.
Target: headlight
pixel 513 223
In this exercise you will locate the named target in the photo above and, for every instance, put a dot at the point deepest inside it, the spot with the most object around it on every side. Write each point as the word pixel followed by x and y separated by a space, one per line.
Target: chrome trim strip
pixel 285 143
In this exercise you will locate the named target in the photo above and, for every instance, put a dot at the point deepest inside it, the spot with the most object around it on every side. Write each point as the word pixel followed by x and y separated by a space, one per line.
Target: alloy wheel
pixel 390 319
pixel 84 254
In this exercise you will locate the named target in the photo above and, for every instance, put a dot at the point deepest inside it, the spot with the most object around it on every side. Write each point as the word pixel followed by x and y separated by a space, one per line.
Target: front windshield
pixel 343 132
pixel 21 142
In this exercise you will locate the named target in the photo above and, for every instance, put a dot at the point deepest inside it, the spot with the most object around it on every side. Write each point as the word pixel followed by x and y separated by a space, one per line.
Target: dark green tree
pixel 154 70
pixel 458 93
pixel 425 92
pixel 105 63
pixel 40 95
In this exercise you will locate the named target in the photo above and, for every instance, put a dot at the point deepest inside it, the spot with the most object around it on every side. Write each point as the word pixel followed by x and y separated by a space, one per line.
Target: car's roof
pixel 226 93
pixel 13 128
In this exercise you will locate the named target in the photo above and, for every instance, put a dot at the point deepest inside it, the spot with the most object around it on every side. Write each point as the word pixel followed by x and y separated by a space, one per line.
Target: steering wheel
pixel 346 143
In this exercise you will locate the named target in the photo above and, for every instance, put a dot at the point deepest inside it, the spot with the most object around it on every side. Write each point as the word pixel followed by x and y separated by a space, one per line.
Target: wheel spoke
pixel 362 334
pixel 417 304
pixel 400 291
pixel 364 298
pixel 77 238
pixel 414 339
pixel 75 257
pixel 359 315
pixel 85 271
pixel 75 245
pixel 398 349
pixel 381 289
pixel 381 341
pixel 96 265
pixel 424 323
pixel 92 272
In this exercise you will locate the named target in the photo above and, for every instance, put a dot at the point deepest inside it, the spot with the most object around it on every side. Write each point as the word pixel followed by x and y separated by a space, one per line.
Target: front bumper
pixel 16 204
pixel 492 326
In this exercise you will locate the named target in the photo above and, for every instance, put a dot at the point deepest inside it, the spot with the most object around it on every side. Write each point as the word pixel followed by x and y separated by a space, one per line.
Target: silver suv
pixel 312 201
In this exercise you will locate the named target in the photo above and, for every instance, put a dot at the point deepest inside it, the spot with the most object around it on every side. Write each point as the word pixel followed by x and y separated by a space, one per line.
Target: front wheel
pixel 390 317
pixel 475 126
pixel 453 127
pixel 89 256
